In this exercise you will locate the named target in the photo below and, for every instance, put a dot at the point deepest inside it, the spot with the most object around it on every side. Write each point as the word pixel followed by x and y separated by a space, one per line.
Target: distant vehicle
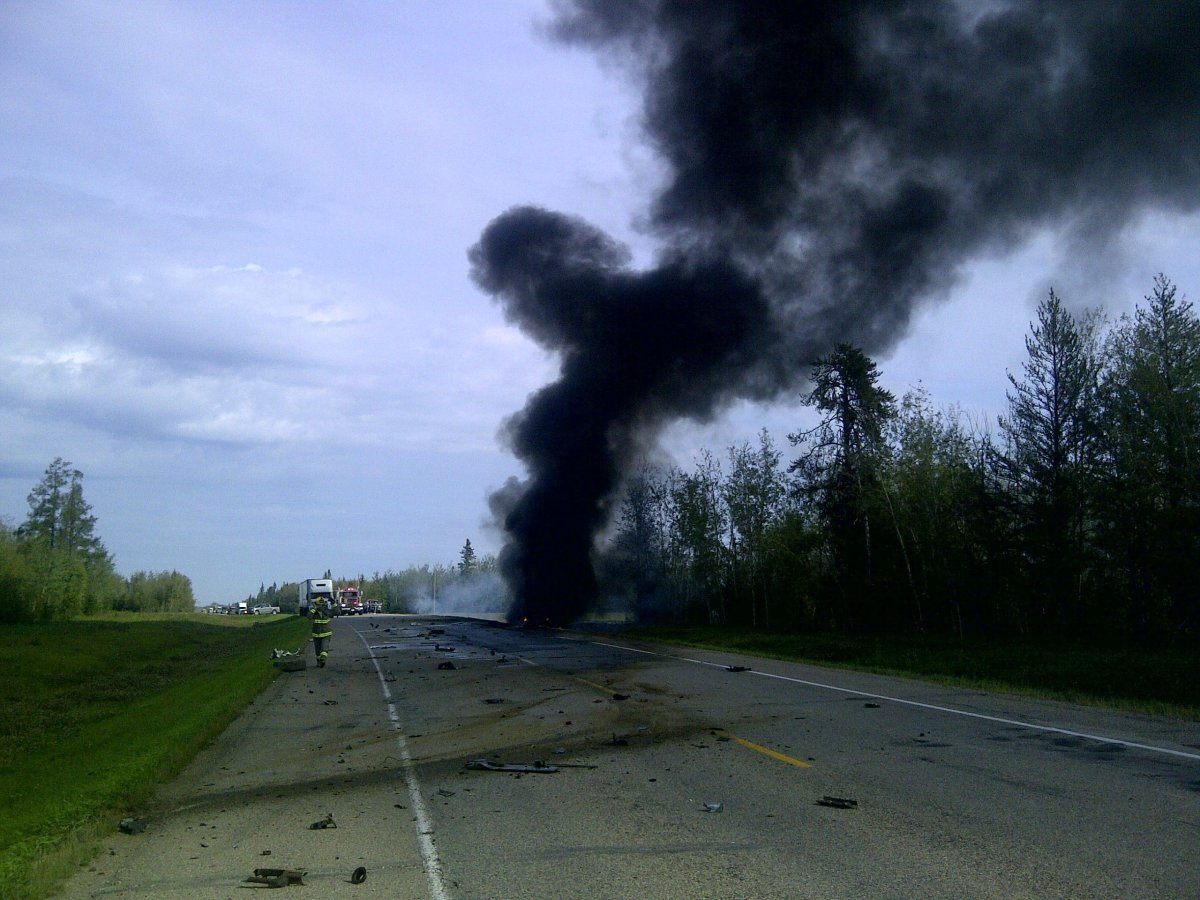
pixel 240 608
pixel 265 610
pixel 313 588
pixel 373 606
pixel 349 601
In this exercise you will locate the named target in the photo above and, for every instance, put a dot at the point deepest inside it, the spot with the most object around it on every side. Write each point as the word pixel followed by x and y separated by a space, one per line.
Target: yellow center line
pixel 766 751
pixel 593 684
pixel 749 745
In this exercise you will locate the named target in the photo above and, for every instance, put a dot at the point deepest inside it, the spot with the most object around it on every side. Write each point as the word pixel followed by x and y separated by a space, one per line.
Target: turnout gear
pixel 322 629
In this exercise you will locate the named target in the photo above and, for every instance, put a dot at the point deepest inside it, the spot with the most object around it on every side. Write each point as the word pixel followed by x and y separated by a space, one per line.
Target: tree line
pixel 55 566
pixel 473 582
pixel 1077 518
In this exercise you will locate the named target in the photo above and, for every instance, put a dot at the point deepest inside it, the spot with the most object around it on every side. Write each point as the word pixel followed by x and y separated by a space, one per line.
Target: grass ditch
pixel 100 711
pixel 1159 681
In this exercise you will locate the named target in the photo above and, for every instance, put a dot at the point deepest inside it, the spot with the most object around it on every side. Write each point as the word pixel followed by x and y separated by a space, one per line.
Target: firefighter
pixel 322 629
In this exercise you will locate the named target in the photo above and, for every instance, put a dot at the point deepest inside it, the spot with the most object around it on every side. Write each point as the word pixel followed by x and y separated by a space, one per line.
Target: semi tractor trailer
pixel 311 589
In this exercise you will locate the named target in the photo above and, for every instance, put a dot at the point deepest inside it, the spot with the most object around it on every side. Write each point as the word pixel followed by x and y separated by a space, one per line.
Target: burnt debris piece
pixel 277 878
pixel 838 802
pixel 132 825
pixel 483 765
pixel 326 822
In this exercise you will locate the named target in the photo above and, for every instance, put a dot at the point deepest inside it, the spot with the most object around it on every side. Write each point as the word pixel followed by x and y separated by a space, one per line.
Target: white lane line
pixel 429 855
pixel 945 709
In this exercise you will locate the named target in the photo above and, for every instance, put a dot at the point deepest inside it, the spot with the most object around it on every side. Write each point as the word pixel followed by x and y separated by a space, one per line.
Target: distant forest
pixel 1078 518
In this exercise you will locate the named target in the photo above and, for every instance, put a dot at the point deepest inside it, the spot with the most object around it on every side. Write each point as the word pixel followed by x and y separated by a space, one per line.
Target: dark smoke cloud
pixel 636 349
pixel 830 165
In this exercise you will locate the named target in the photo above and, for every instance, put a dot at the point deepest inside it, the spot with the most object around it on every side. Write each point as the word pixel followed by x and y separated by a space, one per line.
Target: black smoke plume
pixel 829 165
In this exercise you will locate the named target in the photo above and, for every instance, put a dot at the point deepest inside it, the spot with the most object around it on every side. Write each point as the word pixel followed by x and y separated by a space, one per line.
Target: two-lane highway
pixel 678 774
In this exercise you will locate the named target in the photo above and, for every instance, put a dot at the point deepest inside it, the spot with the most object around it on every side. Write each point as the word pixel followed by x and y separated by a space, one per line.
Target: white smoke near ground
pixel 481 594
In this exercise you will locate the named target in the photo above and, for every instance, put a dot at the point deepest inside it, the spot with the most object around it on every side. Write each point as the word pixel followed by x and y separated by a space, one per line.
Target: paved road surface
pixel 677 778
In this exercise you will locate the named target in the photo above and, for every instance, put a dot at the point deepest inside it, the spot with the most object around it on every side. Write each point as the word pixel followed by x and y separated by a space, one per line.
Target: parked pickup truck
pixel 265 610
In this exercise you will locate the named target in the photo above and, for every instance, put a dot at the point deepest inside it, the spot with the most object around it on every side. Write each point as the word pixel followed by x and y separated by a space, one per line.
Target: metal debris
pixel 838 802
pixel 277 878
pixel 737 668
pixel 713 807
pixel 483 765
pixel 132 825
pixel 871 705
pixel 326 822
pixel 562 765
pixel 359 875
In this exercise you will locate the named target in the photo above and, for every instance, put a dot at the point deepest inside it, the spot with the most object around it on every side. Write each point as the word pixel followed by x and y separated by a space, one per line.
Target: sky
pixel 235 292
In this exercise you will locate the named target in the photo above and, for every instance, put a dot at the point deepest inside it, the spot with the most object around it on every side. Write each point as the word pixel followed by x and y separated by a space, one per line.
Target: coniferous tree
pixel 840 467
pixel 466 559
pixel 1051 459
pixel 69 569
pixel 1151 518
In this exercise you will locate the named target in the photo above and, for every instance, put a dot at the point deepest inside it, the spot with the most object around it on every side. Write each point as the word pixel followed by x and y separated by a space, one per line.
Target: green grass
pixel 100 710
pixel 1159 681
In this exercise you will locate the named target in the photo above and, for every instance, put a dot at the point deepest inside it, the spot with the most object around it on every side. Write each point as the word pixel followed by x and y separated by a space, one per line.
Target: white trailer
pixel 311 589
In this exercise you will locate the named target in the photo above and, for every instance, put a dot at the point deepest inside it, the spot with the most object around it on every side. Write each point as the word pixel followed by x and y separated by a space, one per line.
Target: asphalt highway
pixel 454 758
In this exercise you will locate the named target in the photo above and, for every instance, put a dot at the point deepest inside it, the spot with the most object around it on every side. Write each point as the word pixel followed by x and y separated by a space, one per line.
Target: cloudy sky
pixel 235 287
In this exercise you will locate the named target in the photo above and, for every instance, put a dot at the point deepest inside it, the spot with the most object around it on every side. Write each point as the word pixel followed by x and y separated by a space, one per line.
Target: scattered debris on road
pixel 838 802
pixel 277 878
pixel 737 668
pixel 620 696
pixel 617 741
pixel 483 765
pixel 326 822
pixel 359 875
pixel 871 705
pixel 713 807
pixel 447 665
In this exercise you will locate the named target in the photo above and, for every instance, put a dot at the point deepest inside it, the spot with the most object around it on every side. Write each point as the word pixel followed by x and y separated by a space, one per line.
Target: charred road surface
pixel 464 759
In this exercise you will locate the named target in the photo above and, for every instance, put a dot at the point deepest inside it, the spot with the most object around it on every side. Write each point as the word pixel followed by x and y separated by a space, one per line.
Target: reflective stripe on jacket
pixel 320 624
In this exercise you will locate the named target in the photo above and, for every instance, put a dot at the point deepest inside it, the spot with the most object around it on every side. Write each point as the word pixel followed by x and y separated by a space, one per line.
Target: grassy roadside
pixel 1158 681
pixel 100 710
